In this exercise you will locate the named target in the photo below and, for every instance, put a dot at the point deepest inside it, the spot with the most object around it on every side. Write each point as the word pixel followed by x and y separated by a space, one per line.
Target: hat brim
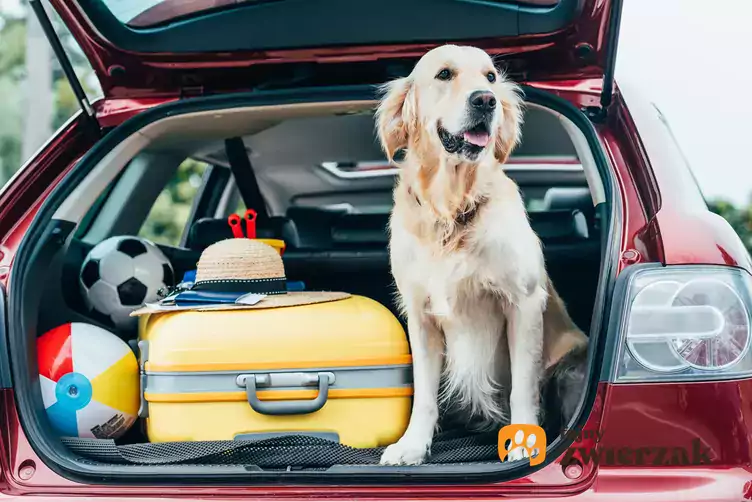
pixel 289 299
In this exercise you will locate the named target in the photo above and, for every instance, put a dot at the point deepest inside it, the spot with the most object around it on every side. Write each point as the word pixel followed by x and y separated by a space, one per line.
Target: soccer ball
pixel 89 380
pixel 120 274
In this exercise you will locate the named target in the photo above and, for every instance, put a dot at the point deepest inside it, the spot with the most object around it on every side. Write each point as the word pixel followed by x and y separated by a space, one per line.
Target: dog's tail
pixel 564 389
pixel 569 380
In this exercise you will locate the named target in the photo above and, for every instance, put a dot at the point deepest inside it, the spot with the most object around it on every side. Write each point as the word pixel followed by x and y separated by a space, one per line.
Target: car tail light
pixel 686 323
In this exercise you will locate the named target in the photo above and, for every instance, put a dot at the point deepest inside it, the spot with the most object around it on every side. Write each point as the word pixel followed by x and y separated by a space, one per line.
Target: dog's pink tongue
pixel 477 138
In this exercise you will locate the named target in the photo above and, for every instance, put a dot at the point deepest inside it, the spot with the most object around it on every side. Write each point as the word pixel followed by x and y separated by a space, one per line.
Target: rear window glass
pixel 168 217
pixel 142 13
pixel 139 13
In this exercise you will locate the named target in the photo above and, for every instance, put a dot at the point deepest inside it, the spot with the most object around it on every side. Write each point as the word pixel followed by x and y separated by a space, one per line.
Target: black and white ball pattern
pixel 122 273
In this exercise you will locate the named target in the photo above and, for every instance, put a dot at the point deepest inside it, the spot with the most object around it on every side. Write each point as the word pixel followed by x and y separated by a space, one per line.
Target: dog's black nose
pixel 483 100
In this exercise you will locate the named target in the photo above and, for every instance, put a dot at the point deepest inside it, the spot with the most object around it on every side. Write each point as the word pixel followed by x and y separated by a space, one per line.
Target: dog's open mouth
pixel 471 141
pixel 477 135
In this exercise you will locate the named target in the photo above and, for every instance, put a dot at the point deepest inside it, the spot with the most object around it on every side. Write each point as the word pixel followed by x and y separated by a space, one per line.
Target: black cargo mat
pixel 279 452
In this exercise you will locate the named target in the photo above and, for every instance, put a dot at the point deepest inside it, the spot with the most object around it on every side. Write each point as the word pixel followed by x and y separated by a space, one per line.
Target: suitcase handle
pixel 291 407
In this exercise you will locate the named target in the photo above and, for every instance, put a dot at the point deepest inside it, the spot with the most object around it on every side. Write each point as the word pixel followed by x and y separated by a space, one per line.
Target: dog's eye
pixel 491 76
pixel 445 74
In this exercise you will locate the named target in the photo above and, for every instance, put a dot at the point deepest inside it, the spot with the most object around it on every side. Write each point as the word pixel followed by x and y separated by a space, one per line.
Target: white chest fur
pixel 470 293
pixel 501 256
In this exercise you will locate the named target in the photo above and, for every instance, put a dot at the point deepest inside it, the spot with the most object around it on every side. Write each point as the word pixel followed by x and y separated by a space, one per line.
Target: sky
pixel 692 59
pixel 689 57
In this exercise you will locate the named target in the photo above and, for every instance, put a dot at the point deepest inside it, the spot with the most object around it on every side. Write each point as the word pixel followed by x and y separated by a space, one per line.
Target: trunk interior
pixel 327 191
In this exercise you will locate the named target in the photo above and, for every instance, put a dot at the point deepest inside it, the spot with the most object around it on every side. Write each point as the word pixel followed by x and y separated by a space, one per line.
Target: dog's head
pixel 456 103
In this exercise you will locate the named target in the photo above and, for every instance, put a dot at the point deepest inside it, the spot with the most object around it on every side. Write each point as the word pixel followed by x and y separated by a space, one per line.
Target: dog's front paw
pixel 517 454
pixel 406 451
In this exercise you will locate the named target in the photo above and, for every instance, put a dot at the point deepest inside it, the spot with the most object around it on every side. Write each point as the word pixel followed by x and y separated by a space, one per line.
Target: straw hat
pixel 241 266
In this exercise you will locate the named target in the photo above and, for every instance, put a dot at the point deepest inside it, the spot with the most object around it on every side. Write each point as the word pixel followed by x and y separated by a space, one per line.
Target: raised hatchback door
pixel 5 386
pixel 5 382
pixel 158 47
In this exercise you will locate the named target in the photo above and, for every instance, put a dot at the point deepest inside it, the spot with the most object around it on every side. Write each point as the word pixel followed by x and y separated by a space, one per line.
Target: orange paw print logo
pixel 524 441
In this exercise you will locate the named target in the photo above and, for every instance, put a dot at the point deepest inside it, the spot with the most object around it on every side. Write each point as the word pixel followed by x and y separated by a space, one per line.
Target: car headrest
pixel 557 198
pixel 327 228
pixel 361 229
pixel 207 231
pixel 563 225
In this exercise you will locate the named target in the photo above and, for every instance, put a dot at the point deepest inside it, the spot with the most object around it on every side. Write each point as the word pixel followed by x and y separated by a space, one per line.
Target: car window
pixel 142 13
pixel 168 217
pixel 93 212
pixel 676 145
pixel 239 206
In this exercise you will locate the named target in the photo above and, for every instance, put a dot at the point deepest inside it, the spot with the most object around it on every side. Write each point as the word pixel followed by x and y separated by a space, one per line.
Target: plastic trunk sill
pixel 51 451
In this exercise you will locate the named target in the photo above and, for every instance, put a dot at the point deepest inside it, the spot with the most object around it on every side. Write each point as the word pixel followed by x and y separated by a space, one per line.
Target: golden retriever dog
pixel 471 279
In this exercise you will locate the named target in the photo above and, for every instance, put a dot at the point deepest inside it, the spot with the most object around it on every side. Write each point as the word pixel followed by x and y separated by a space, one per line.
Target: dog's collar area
pixel 463 218
pixel 414 196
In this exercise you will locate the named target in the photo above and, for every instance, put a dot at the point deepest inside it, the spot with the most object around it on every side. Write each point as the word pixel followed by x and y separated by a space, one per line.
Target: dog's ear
pixel 396 115
pixel 508 134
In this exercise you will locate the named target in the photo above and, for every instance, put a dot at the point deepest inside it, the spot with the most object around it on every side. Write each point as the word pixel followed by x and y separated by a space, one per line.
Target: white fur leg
pixel 516 454
pixel 525 336
pixel 426 347
pixel 473 361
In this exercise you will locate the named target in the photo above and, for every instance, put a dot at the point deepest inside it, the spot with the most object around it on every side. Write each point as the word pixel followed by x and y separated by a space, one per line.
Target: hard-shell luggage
pixel 338 369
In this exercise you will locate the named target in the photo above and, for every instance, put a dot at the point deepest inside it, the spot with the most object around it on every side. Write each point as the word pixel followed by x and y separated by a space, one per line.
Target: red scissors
pixel 250 225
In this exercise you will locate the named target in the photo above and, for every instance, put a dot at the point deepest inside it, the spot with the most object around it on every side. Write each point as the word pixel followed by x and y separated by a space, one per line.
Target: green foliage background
pixel 12 78
pixel 168 216
pixel 740 218
pixel 12 72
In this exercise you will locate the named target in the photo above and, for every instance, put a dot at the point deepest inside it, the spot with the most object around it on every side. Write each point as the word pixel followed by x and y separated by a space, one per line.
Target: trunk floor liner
pixel 279 452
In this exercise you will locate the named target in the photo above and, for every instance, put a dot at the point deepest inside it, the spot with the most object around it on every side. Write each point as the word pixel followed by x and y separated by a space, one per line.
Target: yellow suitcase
pixel 339 370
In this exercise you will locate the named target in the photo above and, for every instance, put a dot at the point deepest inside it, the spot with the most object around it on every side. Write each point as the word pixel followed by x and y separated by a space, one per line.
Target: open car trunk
pixel 312 151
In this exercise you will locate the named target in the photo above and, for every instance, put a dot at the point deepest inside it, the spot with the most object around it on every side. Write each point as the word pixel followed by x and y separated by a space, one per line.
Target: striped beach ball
pixel 90 381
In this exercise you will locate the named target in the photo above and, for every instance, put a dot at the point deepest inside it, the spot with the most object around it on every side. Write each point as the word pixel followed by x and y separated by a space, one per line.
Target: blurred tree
pixel 38 101
pixel 12 72
pixel 16 89
pixel 13 46
pixel 740 218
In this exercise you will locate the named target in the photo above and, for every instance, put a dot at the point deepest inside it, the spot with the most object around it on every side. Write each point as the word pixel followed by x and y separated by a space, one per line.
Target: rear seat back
pixel 207 231
pixel 336 251
pixel 341 251
pixel 319 228
pixel 323 229
pixel 326 229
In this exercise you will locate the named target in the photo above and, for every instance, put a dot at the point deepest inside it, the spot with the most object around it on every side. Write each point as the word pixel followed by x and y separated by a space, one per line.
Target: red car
pixel 270 103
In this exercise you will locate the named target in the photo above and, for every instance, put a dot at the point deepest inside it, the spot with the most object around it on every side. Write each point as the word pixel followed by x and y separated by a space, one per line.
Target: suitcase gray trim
pixel 365 377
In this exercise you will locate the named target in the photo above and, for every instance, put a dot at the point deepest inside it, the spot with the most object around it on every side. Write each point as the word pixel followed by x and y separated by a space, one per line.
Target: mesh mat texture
pixel 282 452
pixel 456 445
